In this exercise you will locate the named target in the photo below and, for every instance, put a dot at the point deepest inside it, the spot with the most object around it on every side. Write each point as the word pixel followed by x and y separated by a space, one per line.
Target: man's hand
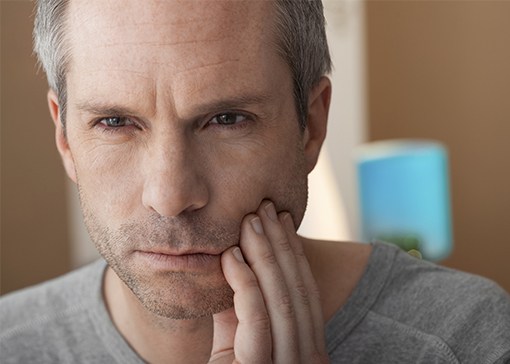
pixel 277 316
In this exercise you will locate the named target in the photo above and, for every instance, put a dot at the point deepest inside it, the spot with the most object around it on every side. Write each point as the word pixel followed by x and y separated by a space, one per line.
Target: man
pixel 190 128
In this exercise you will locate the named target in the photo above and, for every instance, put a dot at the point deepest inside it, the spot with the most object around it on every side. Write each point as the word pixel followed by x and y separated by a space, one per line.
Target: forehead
pixel 188 24
pixel 182 44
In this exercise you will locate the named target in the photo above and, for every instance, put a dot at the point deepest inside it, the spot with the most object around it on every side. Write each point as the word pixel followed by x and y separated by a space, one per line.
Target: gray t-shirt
pixel 403 311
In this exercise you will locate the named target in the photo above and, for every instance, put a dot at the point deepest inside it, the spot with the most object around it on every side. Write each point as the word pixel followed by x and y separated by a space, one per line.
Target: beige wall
pixel 332 212
pixel 34 246
pixel 441 70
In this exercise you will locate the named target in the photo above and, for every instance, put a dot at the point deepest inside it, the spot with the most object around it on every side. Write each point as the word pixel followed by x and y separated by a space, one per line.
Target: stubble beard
pixel 174 295
pixel 167 300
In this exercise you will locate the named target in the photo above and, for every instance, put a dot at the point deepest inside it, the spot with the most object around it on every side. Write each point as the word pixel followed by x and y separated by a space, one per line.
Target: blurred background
pixel 436 70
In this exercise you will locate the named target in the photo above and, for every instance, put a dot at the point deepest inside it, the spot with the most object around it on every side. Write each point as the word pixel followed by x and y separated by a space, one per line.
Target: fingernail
pixel 238 254
pixel 287 220
pixel 270 211
pixel 257 225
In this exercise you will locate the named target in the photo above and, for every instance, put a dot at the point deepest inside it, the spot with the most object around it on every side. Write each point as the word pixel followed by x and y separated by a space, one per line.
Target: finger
pixel 252 342
pixel 262 261
pixel 285 256
pixel 224 329
pixel 309 281
pixel 283 242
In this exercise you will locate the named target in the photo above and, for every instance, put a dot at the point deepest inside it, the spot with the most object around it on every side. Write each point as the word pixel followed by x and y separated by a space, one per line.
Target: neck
pixel 156 338
pixel 337 268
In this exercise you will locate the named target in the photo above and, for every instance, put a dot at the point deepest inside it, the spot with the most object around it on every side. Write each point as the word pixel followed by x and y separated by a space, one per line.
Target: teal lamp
pixel 404 196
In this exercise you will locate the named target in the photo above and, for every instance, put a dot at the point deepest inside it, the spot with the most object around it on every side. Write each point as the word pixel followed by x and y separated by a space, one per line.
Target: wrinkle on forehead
pixel 160 44
pixel 183 22
pixel 152 32
pixel 197 49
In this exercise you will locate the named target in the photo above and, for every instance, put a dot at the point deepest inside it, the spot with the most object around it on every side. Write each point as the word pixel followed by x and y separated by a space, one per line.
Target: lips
pixel 181 252
pixel 180 260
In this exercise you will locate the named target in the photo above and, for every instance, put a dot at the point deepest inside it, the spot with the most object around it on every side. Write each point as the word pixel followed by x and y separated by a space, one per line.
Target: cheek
pixel 274 171
pixel 107 179
pixel 240 188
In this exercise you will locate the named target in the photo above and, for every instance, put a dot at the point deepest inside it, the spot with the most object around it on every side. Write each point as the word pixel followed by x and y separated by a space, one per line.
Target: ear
pixel 60 136
pixel 317 120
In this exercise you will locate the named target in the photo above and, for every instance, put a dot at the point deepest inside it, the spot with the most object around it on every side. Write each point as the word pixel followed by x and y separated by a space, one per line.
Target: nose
pixel 173 181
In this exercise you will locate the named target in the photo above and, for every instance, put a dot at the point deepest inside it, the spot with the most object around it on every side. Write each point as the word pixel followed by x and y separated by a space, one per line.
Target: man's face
pixel 180 121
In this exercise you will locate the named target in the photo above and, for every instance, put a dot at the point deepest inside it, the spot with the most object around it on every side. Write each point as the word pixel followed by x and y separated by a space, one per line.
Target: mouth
pixel 183 261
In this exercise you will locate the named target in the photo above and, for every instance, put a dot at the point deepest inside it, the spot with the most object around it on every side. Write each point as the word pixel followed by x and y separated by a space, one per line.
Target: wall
pixel 441 70
pixel 333 207
pixel 34 243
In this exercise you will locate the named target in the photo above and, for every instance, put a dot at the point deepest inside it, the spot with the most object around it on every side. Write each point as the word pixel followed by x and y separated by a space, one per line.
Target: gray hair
pixel 300 40
pixel 50 46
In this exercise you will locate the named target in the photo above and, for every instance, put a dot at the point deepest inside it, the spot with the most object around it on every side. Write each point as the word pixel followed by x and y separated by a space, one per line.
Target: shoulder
pixel 36 319
pixel 51 297
pixel 403 307
pixel 467 313
pixel 433 289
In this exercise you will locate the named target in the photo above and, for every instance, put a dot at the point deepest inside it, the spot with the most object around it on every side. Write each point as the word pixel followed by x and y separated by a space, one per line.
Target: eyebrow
pixel 100 108
pixel 238 101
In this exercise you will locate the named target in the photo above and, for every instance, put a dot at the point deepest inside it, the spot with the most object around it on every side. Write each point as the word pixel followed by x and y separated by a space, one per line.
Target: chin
pixel 190 305
pixel 181 296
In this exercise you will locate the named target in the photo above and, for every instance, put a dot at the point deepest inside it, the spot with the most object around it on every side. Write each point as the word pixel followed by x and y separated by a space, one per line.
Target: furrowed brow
pixel 235 102
pixel 102 109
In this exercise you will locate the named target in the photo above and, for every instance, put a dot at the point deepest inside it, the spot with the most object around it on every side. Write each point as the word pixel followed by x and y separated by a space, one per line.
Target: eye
pixel 229 118
pixel 115 121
